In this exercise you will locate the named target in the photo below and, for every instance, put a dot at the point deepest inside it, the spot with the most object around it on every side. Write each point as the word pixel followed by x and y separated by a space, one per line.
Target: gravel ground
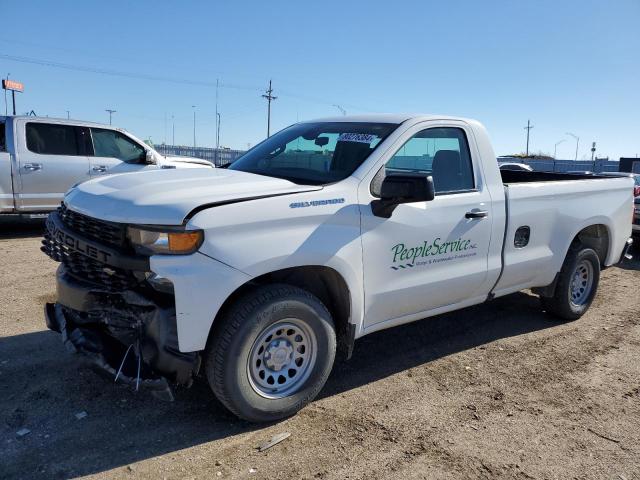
pixel 495 391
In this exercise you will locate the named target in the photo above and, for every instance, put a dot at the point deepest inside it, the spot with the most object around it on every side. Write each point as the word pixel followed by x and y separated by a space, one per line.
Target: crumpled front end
pixel 108 311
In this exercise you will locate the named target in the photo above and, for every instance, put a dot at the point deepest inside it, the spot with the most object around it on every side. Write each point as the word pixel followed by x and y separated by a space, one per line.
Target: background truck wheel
pixel 271 353
pixel 577 284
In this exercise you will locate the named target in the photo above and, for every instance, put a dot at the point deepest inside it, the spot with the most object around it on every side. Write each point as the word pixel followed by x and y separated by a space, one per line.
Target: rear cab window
pixel 52 139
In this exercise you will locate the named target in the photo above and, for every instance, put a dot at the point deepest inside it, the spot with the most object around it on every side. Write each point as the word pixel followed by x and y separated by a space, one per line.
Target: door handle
pixel 100 168
pixel 476 214
pixel 32 167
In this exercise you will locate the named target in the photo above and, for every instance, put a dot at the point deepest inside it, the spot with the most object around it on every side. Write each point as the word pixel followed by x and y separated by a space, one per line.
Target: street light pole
pixel 555 148
pixel 173 130
pixel 218 131
pixel 577 141
pixel 194 125
pixel 215 155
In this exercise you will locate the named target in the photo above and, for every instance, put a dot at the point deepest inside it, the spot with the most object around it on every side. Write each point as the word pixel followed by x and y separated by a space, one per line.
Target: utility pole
pixel 528 129
pixel 344 112
pixel 577 141
pixel 111 112
pixel 593 160
pixel 269 96
pixel 67 114
pixel 555 148
pixel 173 130
pixel 194 125
pixel 6 111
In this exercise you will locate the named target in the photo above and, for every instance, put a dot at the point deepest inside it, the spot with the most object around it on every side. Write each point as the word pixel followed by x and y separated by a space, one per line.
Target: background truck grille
pixel 104 232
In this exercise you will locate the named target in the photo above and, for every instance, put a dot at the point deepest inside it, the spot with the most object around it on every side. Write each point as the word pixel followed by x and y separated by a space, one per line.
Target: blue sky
pixel 569 66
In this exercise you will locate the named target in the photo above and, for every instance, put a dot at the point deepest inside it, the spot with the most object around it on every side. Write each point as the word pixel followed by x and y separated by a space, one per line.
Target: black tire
pixel 561 304
pixel 243 327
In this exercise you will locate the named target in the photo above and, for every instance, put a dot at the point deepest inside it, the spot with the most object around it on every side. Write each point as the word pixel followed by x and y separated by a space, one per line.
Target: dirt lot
pixel 495 391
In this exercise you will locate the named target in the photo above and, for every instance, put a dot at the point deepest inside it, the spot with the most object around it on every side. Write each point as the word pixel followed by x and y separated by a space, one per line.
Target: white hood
pixel 165 197
pixel 184 162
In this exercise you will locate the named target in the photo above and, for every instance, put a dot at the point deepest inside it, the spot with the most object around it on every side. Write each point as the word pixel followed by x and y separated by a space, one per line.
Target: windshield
pixel 314 153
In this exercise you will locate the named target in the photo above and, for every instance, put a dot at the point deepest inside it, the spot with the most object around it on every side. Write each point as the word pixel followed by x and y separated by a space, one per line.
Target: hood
pixel 167 196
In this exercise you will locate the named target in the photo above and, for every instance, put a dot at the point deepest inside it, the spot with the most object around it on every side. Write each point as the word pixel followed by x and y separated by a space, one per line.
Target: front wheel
pixel 576 286
pixel 271 353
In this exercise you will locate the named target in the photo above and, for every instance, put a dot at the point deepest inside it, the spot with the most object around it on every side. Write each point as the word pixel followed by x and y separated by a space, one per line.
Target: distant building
pixel 631 165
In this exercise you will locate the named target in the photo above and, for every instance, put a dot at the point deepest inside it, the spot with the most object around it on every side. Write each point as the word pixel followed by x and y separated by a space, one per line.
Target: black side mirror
pixel 321 141
pixel 405 188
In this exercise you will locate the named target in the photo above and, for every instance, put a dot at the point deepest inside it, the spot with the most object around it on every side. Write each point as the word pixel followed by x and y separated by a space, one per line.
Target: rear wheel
pixel 272 353
pixel 577 284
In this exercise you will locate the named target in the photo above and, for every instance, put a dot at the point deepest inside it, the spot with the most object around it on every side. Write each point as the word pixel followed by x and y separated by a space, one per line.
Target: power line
pixel 119 73
pixel 183 81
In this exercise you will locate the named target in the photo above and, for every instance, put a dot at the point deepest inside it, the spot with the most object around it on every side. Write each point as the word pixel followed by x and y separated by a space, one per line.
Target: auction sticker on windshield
pixel 357 137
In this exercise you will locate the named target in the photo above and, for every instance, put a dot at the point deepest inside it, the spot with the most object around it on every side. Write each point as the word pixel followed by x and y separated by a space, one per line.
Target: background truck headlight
pixel 165 240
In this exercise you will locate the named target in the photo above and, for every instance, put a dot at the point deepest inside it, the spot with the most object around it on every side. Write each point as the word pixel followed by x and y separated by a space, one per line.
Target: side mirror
pixel 321 141
pixel 405 188
pixel 149 157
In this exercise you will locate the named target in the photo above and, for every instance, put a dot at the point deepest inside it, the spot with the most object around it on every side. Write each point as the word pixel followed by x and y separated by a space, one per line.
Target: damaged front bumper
pixel 126 335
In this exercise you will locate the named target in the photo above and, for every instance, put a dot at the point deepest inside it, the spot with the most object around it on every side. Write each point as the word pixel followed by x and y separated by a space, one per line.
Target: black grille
pixel 88 269
pixel 104 232
pixel 83 266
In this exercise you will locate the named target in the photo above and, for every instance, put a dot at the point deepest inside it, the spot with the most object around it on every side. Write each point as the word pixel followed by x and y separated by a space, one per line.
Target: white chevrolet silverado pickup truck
pixel 329 230
pixel 41 158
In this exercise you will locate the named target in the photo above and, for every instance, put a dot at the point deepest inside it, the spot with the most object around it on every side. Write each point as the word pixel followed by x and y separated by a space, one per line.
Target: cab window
pixel 113 144
pixel 442 153
pixel 52 139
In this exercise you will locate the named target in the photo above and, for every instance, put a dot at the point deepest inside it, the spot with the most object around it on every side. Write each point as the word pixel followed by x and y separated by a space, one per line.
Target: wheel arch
pixel 324 282
pixel 596 237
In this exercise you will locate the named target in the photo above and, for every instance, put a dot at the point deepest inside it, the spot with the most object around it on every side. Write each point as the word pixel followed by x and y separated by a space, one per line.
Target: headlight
pixel 165 240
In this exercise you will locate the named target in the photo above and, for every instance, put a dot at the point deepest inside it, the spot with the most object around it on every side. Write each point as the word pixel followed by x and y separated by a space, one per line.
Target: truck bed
pixel 517 176
pixel 555 207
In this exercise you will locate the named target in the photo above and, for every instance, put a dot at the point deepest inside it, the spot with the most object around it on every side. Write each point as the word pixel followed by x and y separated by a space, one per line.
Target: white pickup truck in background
pixel 41 158
pixel 323 233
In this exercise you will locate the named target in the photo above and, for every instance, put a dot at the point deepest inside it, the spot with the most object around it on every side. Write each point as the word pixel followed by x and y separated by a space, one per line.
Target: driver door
pixel 430 254
pixel 114 152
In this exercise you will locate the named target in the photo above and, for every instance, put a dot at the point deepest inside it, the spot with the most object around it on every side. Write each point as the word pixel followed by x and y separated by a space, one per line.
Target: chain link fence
pixel 219 157
pixel 551 165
